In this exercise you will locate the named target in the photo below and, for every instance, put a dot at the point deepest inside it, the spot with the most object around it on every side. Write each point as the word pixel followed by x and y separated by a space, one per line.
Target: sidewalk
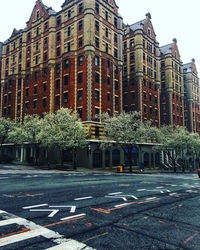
pixel 59 169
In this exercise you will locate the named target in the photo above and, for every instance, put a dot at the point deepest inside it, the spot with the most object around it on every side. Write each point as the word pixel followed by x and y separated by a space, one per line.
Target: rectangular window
pixel 97 42
pixel 58 37
pixel 66 80
pixel 106 15
pixel 80 60
pixel 69 14
pixel 46 43
pixel 58 51
pixel 45 26
pixel 66 63
pixel 97 8
pixel 97 26
pixel 96 60
pixel 58 21
pixel 96 95
pixel 45 56
pixel 80 95
pixel 96 77
pixel 115 22
pixel 27 92
pixel 116 53
pixel 65 96
pixel 80 42
pixel 57 100
pixel 116 100
pixel 58 84
pixel 44 102
pixel 68 46
pixel 35 104
pixel 80 8
pixel 36 75
pixel 80 77
pixel 106 32
pixel 57 68
pixel 44 72
pixel 116 85
pixel 35 90
pixel 106 47
pixel 69 31
pixel 80 25
pixel 44 87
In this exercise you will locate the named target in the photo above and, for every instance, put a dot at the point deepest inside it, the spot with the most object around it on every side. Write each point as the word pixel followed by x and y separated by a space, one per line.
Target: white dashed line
pixel 83 198
pixel 40 205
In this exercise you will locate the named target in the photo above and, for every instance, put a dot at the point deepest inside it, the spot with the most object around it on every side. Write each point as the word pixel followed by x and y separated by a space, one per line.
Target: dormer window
pixel 149 32
pixel 38 14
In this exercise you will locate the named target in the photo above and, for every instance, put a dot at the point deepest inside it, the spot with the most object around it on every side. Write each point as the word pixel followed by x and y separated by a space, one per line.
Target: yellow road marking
pixel 94 237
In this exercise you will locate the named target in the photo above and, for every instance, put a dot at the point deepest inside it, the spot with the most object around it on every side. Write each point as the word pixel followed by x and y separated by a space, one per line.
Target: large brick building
pixel 172 89
pixel 79 57
pixel 191 97
pixel 141 72
pixel 71 58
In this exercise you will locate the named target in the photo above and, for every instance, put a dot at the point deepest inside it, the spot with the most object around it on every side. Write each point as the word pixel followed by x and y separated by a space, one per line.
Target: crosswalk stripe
pixel 11 221
pixel 70 245
pixel 37 230
pixel 22 236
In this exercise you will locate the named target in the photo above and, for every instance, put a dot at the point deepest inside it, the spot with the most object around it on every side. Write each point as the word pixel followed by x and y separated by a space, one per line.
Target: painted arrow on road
pixel 72 210
pixel 53 211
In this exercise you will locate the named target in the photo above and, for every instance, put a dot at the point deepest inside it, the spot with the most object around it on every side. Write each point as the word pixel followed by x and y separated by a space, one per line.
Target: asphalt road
pixel 62 210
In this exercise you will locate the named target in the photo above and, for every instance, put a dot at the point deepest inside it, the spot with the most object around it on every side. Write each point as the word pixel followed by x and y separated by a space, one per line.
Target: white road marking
pixel 83 198
pixel 121 205
pixel 54 211
pixel 23 236
pixel 40 205
pixel 70 245
pixel 4 178
pixel 36 230
pixel 159 187
pixel 134 197
pixel 124 198
pixel 11 221
pixel 152 198
pixel 71 217
pixel 115 193
pixel 73 208
pixel 140 190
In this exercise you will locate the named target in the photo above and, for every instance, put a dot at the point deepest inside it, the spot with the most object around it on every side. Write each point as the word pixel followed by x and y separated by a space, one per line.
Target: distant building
pixel 191 97
pixel 141 71
pixel 172 89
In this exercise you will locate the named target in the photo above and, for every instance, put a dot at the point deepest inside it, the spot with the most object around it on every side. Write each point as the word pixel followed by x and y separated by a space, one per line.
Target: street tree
pixel 179 140
pixel 127 130
pixel 63 130
pixel 6 127
pixel 29 131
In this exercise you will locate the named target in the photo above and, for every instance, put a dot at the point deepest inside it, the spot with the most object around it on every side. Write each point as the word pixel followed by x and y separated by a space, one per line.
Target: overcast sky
pixel 171 19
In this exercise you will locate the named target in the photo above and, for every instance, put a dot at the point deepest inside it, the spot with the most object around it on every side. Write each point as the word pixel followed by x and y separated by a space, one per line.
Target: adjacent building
pixel 141 71
pixel 172 89
pixel 191 97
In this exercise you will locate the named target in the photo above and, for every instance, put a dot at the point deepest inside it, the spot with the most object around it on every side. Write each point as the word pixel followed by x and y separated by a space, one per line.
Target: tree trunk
pixel 62 157
pixel 74 159
pixel 130 159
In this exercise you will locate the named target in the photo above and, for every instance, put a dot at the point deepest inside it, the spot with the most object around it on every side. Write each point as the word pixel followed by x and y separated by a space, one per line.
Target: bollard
pixel 120 169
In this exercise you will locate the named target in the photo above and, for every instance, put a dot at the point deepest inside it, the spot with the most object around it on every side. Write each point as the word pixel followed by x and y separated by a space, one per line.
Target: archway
pixel 115 157
pixel 107 158
pixel 146 160
pixel 97 158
